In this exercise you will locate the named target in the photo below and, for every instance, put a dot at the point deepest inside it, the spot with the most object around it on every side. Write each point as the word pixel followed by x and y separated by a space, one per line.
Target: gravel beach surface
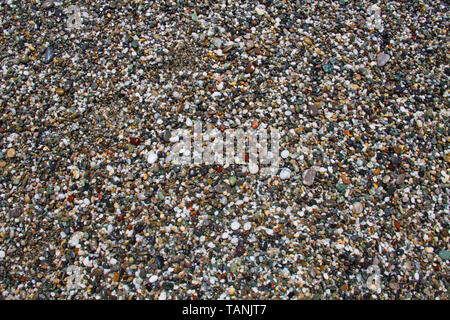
pixel 91 207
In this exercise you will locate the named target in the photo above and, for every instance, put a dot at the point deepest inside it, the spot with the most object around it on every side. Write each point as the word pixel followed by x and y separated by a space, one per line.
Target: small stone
pixel 231 291
pixel 16 212
pixel 341 187
pixel 285 154
pixel 135 141
pixel 152 157
pixel 60 91
pixel 232 181
pixel 250 68
pixel 357 207
pixel 309 176
pixel 308 41
pixel 253 168
pixel 397 149
pixel 153 279
pixel 394 286
pixel 444 254
pixel 49 55
pixel 260 10
pixel 162 295
pixel 11 153
pixel 382 59
pixel 235 225
pixel 247 226
pixel 400 179
pixel 2 164
pixel 285 173
pixel 345 179
pixel 27 199
pixel 327 67
pixel 47 4
pixel 97 272
pixel 313 111
pixel 76 173
pixel 217 42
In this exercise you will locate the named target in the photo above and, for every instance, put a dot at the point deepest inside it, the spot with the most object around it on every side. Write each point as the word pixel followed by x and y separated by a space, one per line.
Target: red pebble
pixel 70 198
pixel 135 141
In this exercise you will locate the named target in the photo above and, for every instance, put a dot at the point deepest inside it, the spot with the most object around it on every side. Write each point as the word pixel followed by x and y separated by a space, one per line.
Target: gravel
pixel 92 208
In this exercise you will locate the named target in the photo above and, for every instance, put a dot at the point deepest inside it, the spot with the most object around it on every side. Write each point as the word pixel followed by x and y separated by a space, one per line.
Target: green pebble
pixel 444 254
pixel 341 187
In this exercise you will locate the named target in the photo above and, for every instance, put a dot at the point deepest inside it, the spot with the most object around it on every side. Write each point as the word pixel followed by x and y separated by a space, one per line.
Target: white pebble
pixel 284 154
pixel 247 226
pixel 285 174
pixel 253 168
pixel 152 157
pixel 153 279
pixel 235 225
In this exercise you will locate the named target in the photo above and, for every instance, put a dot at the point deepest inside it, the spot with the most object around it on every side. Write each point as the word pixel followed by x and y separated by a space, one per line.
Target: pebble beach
pixel 91 207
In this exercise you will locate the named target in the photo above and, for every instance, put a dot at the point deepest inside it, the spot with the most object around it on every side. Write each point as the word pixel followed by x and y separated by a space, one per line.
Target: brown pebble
pixel 250 68
pixel 16 212
pixel 98 272
pixel 11 153
pixel 345 179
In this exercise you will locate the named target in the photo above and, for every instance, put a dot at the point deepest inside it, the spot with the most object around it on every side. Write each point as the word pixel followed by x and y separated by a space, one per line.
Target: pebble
pixel 235 225
pixel 382 59
pixel 309 176
pixel 11 153
pixel 16 212
pixel 444 254
pixel 253 168
pixel 357 207
pixel 285 154
pixel 49 55
pixel 250 68
pixel 152 157
pixel 285 173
